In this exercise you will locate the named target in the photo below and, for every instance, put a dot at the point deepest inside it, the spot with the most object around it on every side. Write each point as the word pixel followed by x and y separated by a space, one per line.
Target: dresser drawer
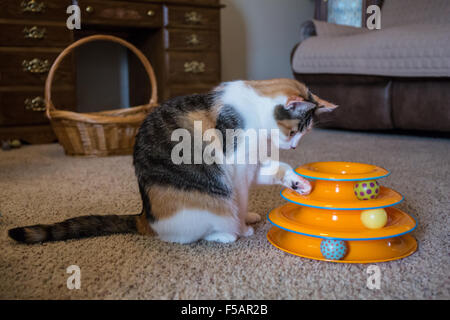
pixel 191 17
pixel 28 35
pixel 20 67
pixel 189 67
pixel 180 39
pixel 24 107
pixel 34 9
pixel 121 13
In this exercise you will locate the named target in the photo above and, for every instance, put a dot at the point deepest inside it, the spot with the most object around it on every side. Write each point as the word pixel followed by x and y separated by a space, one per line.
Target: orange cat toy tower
pixel 332 223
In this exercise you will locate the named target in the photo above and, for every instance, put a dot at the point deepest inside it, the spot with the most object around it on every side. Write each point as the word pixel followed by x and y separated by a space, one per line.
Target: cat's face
pixel 293 123
pixel 295 117
pixel 294 108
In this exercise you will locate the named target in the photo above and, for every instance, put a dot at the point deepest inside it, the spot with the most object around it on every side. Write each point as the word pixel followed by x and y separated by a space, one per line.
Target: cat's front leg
pixel 274 172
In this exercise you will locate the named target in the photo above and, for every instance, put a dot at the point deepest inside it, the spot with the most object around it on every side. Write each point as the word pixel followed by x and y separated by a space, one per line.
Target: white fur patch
pixel 258 111
pixel 295 182
pixel 192 225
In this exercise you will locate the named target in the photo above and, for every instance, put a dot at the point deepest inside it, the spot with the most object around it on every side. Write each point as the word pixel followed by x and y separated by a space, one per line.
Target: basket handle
pixel 148 68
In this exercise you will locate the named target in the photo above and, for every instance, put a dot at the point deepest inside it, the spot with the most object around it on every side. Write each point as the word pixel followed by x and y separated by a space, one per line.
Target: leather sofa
pixel 394 78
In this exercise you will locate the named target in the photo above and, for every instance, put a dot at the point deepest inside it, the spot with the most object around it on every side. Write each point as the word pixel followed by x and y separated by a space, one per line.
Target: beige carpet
pixel 39 184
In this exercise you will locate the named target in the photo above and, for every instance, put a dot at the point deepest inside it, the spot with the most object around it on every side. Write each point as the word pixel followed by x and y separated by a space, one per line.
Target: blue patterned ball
pixel 333 249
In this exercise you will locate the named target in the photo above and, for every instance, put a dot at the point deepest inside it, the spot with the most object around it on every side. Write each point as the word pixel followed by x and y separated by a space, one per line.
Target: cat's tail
pixel 81 227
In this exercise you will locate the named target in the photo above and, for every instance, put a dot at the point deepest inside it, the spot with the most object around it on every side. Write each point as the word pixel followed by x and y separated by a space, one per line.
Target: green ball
pixel 366 190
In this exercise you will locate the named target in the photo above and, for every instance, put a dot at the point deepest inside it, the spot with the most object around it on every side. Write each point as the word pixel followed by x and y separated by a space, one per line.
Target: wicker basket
pixel 98 133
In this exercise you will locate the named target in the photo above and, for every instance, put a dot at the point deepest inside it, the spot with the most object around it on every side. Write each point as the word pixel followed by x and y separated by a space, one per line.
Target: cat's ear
pixel 323 105
pixel 295 103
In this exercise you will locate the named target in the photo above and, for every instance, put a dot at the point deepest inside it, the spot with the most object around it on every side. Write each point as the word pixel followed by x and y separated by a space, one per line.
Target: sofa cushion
pixel 421 105
pixel 364 101
pixel 407 50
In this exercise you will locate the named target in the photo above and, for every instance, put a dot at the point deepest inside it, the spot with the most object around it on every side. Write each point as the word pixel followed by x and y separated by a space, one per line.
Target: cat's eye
pixel 292 133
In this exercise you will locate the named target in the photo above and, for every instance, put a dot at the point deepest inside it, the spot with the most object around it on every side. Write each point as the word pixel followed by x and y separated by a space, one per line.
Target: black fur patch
pixel 311 98
pixel 305 116
pixel 17 234
pixel 281 113
pixel 146 206
pixel 79 227
pixel 229 118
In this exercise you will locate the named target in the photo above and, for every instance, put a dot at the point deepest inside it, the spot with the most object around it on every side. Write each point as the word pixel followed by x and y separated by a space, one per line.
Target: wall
pixel 258 36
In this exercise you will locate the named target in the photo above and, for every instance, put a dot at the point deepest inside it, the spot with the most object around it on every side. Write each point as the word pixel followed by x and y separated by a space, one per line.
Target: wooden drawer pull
pixel 194 67
pixel 192 40
pixel 36 66
pixel 193 17
pixel 34 33
pixel 32 6
pixel 35 104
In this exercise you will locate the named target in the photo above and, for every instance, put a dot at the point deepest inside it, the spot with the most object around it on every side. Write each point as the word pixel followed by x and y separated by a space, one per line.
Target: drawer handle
pixel 36 66
pixel 150 13
pixel 32 6
pixel 34 33
pixel 89 9
pixel 193 17
pixel 36 104
pixel 192 40
pixel 194 67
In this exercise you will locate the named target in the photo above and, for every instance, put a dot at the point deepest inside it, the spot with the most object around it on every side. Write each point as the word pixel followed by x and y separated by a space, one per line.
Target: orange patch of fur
pixel 143 226
pixel 287 87
pixel 34 234
pixel 166 201
pixel 207 119
pixel 323 103
pixel 279 87
pixel 288 125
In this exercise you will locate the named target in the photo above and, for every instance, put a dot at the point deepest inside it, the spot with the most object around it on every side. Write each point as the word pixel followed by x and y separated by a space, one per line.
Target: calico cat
pixel 187 202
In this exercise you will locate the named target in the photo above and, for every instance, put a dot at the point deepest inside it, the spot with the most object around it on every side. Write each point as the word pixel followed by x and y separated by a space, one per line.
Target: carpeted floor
pixel 39 184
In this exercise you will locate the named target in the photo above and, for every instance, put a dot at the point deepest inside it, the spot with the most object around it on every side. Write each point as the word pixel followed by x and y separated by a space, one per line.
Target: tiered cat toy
pixel 348 217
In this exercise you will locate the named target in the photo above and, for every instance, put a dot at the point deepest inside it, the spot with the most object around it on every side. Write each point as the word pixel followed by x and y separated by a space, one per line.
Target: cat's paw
pixel 295 182
pixel 222 237
pixel 248 231
pixel 252 217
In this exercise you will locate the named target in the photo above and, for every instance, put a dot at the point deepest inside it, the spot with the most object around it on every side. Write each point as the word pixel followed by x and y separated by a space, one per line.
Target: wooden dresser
pixel 181 38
